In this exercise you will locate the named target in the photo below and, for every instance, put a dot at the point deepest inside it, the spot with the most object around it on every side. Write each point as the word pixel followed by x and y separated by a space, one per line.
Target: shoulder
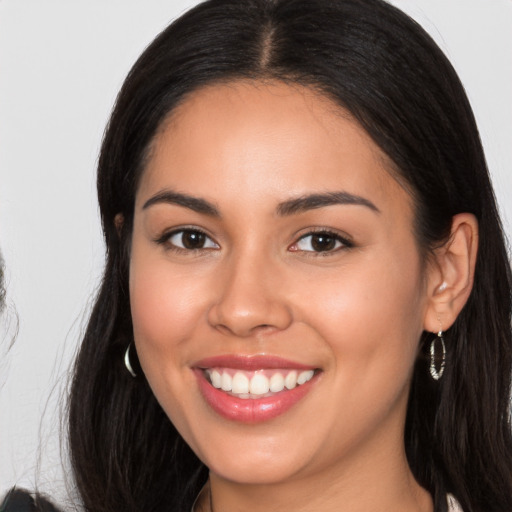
pixel 19 500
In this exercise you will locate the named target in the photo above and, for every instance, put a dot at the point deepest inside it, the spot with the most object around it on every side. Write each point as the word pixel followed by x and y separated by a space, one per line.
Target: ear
pixel 451 273
pixel 118 223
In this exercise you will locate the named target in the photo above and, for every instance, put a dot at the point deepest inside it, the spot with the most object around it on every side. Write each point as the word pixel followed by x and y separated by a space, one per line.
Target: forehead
pixel 265 138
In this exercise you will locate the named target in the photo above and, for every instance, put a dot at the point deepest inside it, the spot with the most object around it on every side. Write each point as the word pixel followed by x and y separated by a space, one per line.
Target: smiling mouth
pixel 256 384
pixel 253 389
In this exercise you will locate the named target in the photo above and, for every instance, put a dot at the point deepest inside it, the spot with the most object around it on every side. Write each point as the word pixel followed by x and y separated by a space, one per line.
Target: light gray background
pixel 61 65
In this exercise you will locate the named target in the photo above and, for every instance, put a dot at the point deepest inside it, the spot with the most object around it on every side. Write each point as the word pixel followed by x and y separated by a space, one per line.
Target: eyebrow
pixel 310 202
pixel 290 207
pixel 196 204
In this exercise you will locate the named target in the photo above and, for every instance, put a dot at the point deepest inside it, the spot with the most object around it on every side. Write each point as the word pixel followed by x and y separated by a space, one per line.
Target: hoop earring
pixel 434 371
pixel 127 362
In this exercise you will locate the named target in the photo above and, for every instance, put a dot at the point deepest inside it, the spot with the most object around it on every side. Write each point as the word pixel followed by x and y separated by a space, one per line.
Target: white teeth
pixel 305 376
pixel 276 383
pixel 257 384
pixel 216 379
pixel 226 382
pixel 240 383
pixel 290 380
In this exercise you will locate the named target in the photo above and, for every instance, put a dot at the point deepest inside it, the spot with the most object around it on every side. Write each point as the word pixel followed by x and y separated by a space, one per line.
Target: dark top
pixel 19 500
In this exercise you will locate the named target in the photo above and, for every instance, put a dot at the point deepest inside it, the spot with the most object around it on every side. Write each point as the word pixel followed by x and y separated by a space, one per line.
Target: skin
pixel 355 312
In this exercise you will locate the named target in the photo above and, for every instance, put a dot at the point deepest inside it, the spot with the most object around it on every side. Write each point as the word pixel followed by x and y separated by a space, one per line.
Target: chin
pixel 256 471
pixel 245 456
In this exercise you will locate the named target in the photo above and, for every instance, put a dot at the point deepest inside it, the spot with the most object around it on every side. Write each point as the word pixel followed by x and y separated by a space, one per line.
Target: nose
pixel 250 300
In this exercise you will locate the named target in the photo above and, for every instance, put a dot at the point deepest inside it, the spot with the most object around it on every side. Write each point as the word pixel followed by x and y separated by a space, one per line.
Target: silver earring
pixel 436 372
pixel 127 361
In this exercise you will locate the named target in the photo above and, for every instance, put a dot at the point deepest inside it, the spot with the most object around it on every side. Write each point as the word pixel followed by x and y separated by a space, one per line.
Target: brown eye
pixel 323 241
pixel 191 239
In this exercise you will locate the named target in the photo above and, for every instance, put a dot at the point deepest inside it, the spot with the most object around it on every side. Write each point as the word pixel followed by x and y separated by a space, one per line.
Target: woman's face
pixel 276 287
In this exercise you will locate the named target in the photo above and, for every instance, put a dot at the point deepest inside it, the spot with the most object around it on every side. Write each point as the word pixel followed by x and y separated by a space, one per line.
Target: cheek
pixel 371 319
pixel 372 314
pixel 167 305
pixel 167 308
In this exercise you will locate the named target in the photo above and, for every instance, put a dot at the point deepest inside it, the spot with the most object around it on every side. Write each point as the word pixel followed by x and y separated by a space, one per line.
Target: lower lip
pixel 251 410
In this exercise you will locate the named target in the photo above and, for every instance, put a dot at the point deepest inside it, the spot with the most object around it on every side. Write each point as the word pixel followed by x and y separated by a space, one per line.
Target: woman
pixel 306 301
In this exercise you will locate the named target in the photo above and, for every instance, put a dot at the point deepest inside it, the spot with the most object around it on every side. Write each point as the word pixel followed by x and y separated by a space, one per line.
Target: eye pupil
pixel 193 239
pixel 322 242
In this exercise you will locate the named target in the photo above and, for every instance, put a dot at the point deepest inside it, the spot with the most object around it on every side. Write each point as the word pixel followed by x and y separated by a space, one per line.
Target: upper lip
pixel 250 362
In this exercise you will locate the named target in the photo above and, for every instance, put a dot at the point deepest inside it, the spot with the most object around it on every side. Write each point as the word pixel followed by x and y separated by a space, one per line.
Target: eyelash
pixel 166 237
pixel 340 242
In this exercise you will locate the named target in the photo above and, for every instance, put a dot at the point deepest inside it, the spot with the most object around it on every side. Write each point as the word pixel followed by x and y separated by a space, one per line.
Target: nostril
pixel 245 331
